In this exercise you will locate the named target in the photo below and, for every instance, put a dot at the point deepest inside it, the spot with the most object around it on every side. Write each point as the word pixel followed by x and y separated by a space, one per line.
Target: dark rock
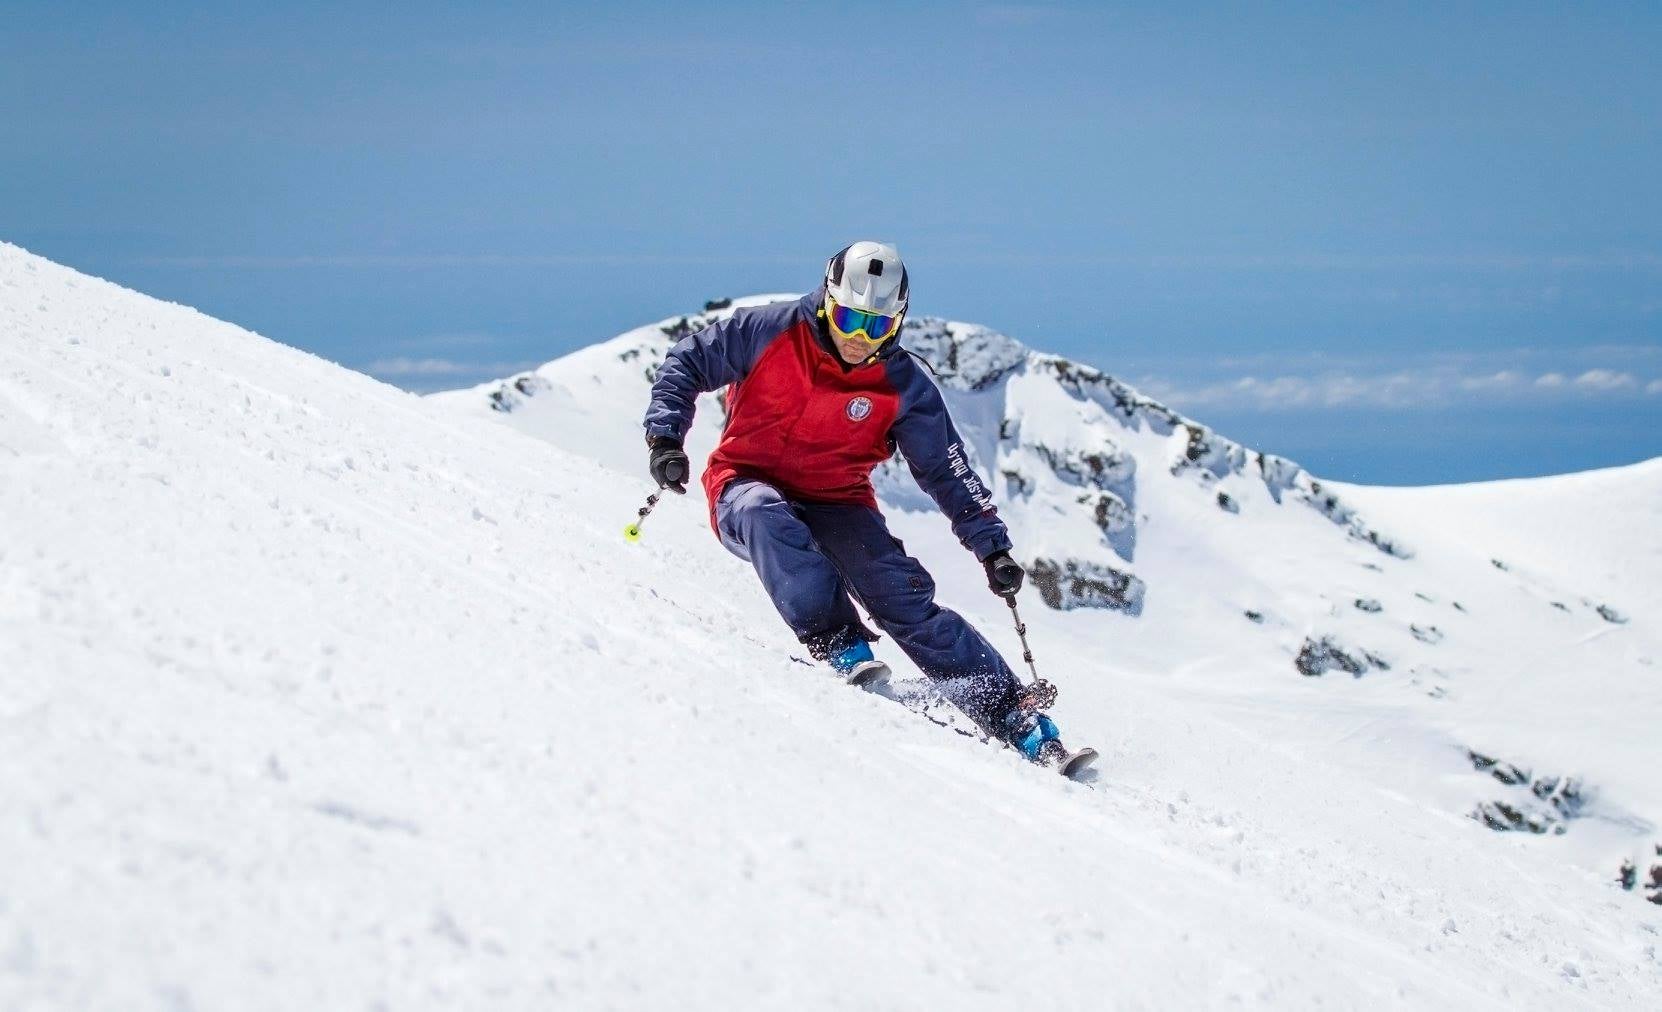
pixel 1509 774
pixel 1503 567
pixel 1628 876
pixel 1279 473
pixel 964 357
pixel 1319 656
pixel 1539 805
pixel 1210 453
pixel 1505 772
pixel 1335 509
pixel 1017 484
pixel 715 304
pixel 1502 817
pixel 1070 584
pixel 1254 616
pixel 1227 504
pixel 1084 382
pixel 1610 614
pixel 1368 604
pixel 1564 796
pixel 1107 469
pixel 1426 634
pixel 514 391
pixel 679 328
pixel 1108 510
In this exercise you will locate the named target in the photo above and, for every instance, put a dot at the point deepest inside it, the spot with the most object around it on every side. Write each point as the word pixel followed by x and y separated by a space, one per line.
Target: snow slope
pixel 1599 529
pixel 317 694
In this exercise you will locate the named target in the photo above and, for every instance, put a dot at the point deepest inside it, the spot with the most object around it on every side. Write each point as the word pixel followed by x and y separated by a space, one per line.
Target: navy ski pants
pixel 811 556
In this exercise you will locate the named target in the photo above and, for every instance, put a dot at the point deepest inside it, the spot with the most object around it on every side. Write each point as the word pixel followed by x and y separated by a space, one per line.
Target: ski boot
pixel 1035 736
pixel 858 667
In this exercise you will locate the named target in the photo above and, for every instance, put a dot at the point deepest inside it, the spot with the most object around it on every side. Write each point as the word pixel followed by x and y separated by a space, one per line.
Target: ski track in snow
pixel 317 694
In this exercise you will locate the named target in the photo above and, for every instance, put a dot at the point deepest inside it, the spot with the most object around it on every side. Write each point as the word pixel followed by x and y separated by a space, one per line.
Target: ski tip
pixel 1078 764
pixel 871 676
pixel 632 533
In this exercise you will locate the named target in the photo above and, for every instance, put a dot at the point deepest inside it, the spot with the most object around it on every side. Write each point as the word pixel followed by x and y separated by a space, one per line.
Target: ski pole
pixel 632 533
pixel 1041 695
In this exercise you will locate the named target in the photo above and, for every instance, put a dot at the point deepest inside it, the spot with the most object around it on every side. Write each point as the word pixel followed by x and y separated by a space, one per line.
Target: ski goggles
pixel 872 328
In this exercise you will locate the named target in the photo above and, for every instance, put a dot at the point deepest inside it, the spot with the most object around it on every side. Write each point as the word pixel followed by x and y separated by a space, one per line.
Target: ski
pixel 1074 765
pixel 873 676
pixel 1079 763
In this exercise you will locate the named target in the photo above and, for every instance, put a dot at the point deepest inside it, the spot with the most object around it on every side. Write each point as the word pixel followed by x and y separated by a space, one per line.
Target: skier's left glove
pixel 1004 574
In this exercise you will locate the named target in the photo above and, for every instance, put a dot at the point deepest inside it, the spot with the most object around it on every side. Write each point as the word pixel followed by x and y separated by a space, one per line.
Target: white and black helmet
pixel 868 276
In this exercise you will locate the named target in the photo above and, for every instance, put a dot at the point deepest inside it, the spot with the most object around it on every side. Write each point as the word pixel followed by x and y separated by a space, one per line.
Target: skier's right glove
pixel 1004 574
pixel 668 463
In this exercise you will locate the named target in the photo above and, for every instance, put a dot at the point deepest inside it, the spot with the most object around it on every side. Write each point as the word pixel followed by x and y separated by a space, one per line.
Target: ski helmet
pixel 870 277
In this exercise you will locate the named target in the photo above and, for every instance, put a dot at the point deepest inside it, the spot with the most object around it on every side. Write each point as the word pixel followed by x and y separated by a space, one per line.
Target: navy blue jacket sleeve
pixel 935 452
pixel 720 354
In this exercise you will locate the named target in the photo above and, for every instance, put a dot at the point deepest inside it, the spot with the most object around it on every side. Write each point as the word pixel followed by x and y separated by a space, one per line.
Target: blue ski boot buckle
pixel 1032 743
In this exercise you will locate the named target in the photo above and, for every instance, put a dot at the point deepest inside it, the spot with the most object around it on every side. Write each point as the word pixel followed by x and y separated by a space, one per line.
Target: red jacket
pixel 804 421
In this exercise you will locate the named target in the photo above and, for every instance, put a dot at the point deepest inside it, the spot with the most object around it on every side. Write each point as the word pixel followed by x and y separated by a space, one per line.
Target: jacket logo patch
pixel 859 408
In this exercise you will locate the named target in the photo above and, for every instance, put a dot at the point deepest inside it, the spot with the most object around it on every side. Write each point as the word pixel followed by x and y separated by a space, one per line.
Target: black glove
pixel 1004 574
pixel 668 464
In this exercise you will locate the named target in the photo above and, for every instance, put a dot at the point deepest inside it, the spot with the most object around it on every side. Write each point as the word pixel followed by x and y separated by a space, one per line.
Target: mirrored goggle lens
pixel 851 321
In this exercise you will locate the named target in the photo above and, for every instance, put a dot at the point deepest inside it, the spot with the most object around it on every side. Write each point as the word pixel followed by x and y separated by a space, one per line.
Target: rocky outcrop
pixel 1537 804
pixel 1109 511
pixel 1428 634
pixel 514 391
pixel 1206 451
pixel 1086 383
pixel 1321 654
pixel 1651 887
pixel 963 356
pixel 1069 583
pixel 1328 504
pixel 1610 614
pixel 1105 467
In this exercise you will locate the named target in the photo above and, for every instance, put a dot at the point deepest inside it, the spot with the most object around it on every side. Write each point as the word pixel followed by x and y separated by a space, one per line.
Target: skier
pixel 820 394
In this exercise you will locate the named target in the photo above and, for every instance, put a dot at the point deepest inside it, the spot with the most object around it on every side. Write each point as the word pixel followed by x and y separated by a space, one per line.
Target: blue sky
pixel 1398 243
